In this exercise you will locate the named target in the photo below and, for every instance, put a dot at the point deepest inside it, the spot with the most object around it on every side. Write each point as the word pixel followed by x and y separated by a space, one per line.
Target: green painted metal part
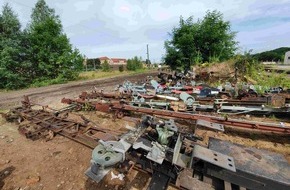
pixel 163 135
pixel 105 157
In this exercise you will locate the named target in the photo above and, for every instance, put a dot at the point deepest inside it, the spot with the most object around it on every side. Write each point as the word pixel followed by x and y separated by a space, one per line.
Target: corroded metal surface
pixel 268 170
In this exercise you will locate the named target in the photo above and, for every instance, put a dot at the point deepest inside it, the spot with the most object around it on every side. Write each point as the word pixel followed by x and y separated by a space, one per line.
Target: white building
pixel 287 58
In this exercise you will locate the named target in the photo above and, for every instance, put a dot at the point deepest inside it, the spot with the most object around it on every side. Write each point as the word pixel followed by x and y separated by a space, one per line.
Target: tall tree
pixel 41 12
pixel 12 66
pixel 209 39
pixel 50 51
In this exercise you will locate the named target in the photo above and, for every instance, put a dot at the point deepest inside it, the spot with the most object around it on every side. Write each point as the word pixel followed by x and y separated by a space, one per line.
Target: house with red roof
pixel 113 61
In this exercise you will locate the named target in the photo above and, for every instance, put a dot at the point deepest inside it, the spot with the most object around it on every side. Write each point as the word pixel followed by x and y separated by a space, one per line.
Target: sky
pixel 123 28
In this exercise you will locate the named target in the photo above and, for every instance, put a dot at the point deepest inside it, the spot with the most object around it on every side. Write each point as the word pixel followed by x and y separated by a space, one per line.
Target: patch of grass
pixel 101 74
pixel 57 80
pixel 3 90
pixel 266 80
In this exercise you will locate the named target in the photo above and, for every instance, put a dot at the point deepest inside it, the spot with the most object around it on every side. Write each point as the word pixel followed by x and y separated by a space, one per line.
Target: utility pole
pixel 147 61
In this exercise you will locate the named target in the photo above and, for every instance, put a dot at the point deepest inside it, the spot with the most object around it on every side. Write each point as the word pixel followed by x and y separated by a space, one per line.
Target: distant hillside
pixel 272 55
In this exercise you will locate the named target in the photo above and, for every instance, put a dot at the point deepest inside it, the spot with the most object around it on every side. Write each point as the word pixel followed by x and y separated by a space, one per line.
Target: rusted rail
pixel 266 127
pixel 120 108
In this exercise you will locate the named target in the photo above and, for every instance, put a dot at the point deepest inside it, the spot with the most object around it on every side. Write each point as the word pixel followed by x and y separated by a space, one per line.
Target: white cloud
pixel 123 28
pixel 82 5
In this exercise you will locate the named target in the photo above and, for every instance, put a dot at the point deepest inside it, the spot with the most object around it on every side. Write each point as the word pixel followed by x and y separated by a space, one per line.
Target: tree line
pixel 39 52
pixel 272 55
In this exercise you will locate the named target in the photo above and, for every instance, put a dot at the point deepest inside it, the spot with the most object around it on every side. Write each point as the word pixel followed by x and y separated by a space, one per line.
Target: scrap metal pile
pixel 183 95
pixel 173 101
pixel 158 144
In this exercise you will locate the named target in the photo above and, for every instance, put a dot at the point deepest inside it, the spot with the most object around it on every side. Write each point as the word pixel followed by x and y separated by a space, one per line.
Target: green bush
pixel 121 68
pixel 134 64
pixel 106 67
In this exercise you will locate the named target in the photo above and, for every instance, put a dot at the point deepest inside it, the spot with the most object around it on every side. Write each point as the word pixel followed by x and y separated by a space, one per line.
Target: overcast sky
pixel 122 28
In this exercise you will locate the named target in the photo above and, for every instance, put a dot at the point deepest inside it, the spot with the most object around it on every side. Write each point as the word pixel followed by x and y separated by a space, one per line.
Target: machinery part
pixel 179 159
pixel 102 158
pixel 157 153
pixel 158 88
pixel 128 87
pixel 170 125
pixel 154 105
pixel 96 173
pixel 214 157
pixel 187 99
pixel 167 97
pixel 163 135
pixel 137 98
pixel 155 84
pixel 176 150
pixel 105 155
pixel 208 124
pixel 165 129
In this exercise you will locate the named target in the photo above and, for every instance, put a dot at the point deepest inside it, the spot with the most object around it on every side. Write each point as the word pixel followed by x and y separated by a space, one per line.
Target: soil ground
pixel 60 163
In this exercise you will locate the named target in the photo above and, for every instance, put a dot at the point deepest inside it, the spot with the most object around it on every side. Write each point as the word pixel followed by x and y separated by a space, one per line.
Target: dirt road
pixel 49 95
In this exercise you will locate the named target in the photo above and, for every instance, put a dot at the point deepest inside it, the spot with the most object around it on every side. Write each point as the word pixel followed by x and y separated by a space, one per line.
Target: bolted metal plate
pixel 266 167
pixel 99 176
pixel 211 125
pixel 214 157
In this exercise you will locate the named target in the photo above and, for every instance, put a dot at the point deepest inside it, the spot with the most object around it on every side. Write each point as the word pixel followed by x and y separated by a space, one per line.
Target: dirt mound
pixel 216 72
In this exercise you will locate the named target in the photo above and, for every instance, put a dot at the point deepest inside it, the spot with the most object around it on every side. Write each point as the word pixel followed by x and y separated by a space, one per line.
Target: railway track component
pixel 121 109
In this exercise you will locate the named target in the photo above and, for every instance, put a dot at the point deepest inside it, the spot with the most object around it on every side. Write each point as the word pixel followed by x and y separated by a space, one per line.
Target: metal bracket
pixel 97 174
pixel 156 152
pixel 211 125
pixel 179 159
pixel 214 157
